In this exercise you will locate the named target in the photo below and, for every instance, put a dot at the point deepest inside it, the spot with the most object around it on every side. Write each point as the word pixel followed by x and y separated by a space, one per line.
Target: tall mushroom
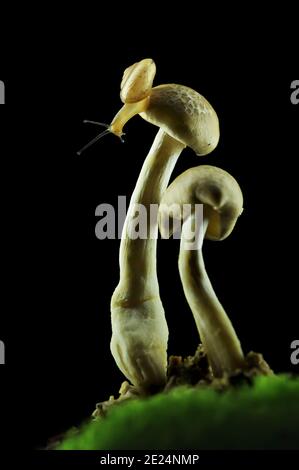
pixel 222 201
pixel 139 329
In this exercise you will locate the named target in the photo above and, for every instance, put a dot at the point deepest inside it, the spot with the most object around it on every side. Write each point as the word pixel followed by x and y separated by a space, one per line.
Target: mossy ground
pixel 264 415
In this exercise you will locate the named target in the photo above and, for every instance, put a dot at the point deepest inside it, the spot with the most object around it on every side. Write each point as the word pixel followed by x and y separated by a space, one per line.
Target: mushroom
pixel 222 201
pixel 139 329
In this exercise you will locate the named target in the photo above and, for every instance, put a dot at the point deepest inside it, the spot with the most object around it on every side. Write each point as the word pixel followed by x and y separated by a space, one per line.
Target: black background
pixel 57 276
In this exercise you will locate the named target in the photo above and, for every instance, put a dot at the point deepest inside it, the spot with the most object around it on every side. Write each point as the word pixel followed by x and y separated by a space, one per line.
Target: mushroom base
pixel 193 371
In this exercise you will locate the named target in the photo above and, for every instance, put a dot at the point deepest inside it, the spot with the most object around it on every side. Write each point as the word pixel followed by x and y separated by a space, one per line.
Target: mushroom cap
pixel 137 81
pixel 185 115
pixel 213 187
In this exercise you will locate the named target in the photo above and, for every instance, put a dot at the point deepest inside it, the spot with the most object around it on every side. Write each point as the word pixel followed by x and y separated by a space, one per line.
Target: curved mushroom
pixel 139 329
pixel 222 201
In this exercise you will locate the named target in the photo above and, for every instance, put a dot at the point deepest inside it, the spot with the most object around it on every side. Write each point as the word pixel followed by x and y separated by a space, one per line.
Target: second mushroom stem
pixel 216 331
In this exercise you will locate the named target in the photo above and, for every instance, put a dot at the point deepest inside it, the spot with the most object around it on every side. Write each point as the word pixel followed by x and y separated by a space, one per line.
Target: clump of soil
pixel 193 371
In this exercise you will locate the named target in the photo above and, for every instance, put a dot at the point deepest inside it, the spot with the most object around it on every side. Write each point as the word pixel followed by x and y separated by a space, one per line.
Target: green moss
pixel 262 416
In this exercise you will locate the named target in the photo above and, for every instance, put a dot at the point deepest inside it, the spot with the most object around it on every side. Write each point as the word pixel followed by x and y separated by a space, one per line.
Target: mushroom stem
pixel 215 329
pixel 139 329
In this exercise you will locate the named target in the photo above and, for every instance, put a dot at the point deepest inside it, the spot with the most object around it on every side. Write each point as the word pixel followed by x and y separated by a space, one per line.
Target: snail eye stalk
pixel 102 124
pixel 93 141
pixel 98 137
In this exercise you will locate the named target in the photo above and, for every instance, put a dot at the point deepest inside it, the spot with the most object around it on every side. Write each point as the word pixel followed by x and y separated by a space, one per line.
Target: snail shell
pixel 137 81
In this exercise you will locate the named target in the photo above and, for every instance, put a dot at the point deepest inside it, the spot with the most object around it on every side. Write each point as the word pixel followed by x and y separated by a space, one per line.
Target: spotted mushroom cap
pixel 185 115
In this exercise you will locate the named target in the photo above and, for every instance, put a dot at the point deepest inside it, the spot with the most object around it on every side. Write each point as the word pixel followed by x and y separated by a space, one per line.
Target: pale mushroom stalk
pixel 216 331
pixel 139 255
pixel 140 333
